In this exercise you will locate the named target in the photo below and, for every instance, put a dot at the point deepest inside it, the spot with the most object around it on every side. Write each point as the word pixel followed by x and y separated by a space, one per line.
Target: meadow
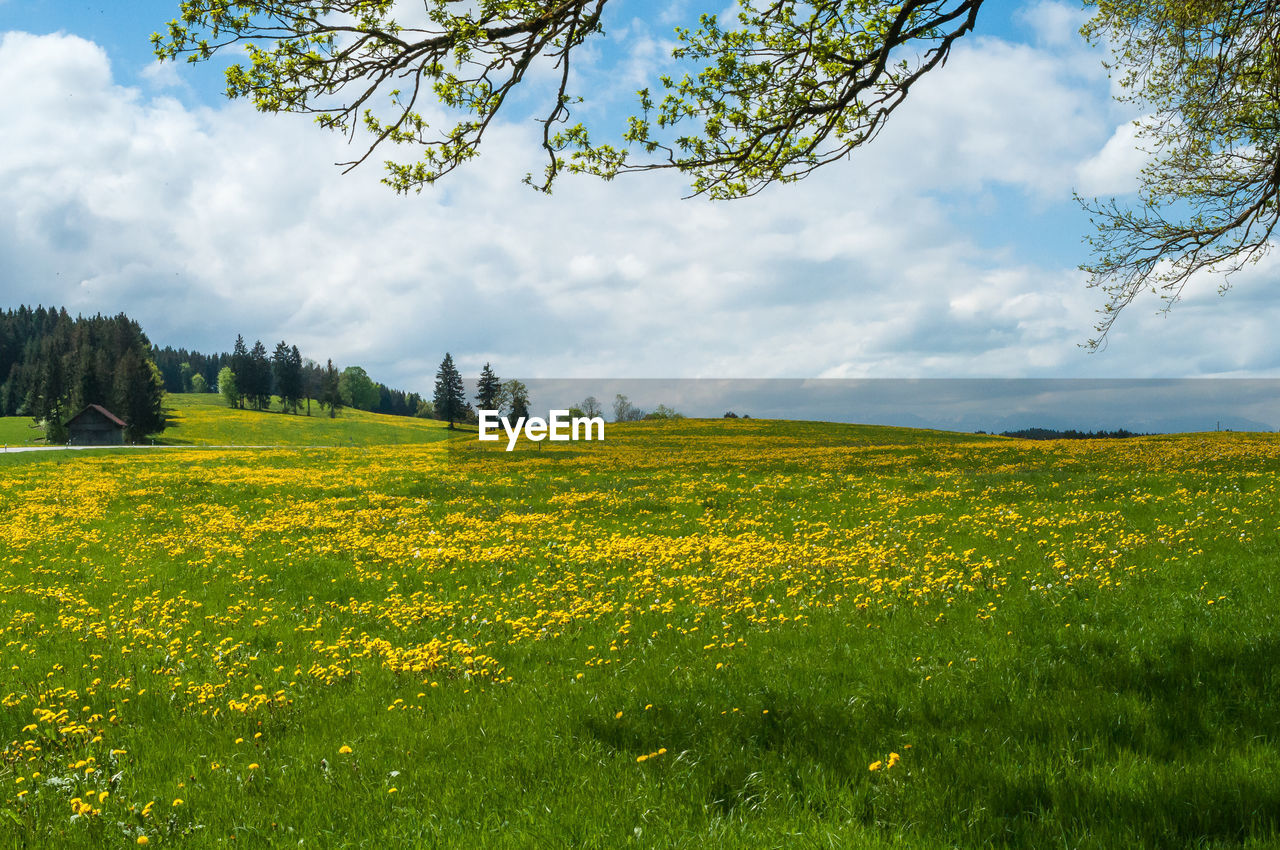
pixel 697 633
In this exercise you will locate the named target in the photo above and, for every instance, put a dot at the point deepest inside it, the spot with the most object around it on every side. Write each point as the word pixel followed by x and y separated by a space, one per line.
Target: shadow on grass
pixel 1172 745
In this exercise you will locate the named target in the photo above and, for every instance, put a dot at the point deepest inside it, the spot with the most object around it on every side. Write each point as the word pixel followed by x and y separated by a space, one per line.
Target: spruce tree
pixel 259 391
pixel 489 390
pixel 331 390
pixel 450 399
pixel 296 377
pixel 240 365
pixel 288 375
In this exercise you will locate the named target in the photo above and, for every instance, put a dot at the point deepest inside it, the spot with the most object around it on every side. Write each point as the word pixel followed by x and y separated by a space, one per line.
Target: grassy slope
pixel 205 420
pixel 17 431
pixel 776 605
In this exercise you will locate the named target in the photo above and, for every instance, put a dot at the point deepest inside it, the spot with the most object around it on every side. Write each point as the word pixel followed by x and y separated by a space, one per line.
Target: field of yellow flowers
pixel 695 633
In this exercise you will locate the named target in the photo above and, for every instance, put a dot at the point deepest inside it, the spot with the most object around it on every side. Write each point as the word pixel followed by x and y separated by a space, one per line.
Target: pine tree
pixel 450 399
pixel 288 376
pixel 138 394
pixel 331 390
pixel 240 366
pixel 489 390
pixel 296 377
pixel 259 390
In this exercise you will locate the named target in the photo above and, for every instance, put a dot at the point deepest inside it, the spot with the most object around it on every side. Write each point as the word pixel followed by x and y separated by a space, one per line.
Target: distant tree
pixel 240 365
pixel 591 407
pixel 730 415
pixel 312 380
pixel 184 376
pixel 288 376
pixel 229 387
pixel 52 365
pixel 515 399
pixel 450 401
pixel 296 378
pixel 331 390
pixel 426 409
pixel 49 404
pixel 358 389
pixel 624 410
pixel 138 395
pixel 258 387
pixel 488 390
pixel 664 412
pixel 199 384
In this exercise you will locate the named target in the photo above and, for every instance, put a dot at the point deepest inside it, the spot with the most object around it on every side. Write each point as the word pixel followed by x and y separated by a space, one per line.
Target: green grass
pixel 18 431
pixel 1067 644
pixel 205 420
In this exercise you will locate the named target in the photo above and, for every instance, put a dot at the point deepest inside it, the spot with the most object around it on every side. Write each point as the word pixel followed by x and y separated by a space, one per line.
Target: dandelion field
pixel 694 634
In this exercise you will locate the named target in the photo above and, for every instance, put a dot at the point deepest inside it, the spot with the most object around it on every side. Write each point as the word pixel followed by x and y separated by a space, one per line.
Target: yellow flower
pixel 143 840
pixel 253 766
pixel 875 765
pixel 391 790
pixel 343 750
pixel 102 798
pixel 177 802
pixel 618 716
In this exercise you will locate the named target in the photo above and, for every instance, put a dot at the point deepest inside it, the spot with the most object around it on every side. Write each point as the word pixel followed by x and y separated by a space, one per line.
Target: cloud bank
pixel 913 260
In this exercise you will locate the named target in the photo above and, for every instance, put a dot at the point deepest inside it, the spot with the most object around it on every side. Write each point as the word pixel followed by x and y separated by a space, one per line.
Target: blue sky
pixel 949 249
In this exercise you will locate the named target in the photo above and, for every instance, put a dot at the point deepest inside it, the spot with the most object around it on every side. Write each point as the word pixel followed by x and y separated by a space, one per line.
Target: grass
pixel 18 431
pixel 205 420
pixel 694 634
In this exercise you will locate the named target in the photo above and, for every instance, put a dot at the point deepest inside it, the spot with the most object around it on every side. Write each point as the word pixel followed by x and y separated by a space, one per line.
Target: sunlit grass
pixel 695 633
pixel 205 419
pixel 20 431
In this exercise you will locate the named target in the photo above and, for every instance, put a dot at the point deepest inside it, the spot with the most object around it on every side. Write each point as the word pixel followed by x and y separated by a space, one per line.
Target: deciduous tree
pixel 1207 75
pixel 358 389
pixel 228 387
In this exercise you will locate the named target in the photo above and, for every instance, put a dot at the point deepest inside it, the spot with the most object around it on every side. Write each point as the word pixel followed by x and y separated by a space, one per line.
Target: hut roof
pixel 111 417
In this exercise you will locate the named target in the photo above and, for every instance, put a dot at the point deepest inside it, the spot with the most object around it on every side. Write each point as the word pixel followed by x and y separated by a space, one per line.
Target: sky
pixel 947 249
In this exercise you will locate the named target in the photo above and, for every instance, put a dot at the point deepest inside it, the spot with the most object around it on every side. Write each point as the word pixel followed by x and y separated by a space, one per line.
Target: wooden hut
pixel 95 426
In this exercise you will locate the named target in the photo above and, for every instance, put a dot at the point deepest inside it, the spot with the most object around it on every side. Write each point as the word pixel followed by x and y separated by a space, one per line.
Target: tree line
pixel 511 399
pixel 53 365
pixel 1069 434
pixel 251 377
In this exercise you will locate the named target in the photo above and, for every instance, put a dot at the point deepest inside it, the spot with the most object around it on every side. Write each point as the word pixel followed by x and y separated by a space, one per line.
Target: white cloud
pixel 1055 24
pixel 1114 170
pixel 202 223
